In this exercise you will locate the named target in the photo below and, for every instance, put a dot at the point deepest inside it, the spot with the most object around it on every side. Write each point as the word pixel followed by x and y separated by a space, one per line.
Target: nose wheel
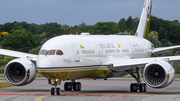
pixel 55 90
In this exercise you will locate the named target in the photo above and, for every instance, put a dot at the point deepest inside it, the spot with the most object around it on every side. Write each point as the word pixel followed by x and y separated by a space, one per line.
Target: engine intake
pixel 20 72
pixel 15 72
pixel 158 74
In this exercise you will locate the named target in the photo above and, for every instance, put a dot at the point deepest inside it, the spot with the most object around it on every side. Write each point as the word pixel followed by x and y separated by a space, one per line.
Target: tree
pixel 65 29
pixel 124 33
pixel 122 25
pixel 132 24
pixel 53 29
pixel 20 40
pixel 154 39
pixel 103 28
pixel 35 50
pixel 83 27
pixel 42 36
pixel 74 31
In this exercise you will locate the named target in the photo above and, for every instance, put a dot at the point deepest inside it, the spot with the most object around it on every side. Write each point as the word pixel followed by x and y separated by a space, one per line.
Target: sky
pixel 74 12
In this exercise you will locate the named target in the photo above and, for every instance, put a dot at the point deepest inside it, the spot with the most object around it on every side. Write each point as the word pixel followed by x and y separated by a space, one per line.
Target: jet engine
pixel 19 72
pixel 158 74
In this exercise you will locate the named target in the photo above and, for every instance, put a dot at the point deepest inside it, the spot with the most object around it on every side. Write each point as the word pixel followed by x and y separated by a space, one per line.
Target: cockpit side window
pixel 59 52
pixel 51 52
pixel 40 52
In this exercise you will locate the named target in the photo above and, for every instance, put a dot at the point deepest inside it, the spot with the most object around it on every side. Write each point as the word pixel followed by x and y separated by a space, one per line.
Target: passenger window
pixel 59 52
pixel 51 52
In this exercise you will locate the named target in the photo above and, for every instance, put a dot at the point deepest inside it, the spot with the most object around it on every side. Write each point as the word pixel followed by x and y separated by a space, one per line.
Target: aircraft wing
pixel 164 49
pixel 124 64
pixel 11 53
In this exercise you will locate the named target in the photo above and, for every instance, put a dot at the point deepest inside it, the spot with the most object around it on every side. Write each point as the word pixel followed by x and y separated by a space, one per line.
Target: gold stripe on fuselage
pixel 75 72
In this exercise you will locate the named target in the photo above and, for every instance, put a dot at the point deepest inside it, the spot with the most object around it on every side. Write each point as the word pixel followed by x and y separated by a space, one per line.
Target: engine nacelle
pixel 19 72
pixel 158 74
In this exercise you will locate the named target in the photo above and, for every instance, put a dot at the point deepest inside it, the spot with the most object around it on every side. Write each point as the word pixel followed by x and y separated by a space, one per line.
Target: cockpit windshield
pixel 51 52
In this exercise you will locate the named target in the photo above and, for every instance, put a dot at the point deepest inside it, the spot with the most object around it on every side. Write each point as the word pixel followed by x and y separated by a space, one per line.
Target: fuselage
pixel 64 57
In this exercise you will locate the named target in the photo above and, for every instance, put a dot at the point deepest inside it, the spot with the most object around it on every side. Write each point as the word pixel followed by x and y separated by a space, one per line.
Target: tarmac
pixel 92 90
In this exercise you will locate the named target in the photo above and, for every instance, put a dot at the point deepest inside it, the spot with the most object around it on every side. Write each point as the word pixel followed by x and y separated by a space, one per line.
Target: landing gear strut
pixel 69 86
pixel 55 89
pixel 135 87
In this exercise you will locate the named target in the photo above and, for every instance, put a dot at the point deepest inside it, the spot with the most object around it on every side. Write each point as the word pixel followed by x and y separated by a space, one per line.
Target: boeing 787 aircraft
pixel 71 57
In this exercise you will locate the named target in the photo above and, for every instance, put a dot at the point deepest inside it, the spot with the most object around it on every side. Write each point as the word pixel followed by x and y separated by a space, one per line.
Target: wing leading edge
pixel 125 64
pixel 11 53
pixel 164 49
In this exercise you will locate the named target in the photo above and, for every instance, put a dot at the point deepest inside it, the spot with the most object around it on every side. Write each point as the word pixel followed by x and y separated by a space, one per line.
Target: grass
pixel 38 75
pixel 2 85
pixel 1 74
pixel 177 75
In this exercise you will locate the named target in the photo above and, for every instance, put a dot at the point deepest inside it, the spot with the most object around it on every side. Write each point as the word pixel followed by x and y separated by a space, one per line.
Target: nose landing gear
pixel 55 89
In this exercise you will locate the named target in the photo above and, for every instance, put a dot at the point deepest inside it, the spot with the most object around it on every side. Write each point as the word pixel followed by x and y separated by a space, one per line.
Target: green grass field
pixel 2 85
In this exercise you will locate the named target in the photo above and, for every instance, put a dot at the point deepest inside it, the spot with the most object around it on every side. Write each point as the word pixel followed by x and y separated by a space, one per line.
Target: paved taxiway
pixel 95 90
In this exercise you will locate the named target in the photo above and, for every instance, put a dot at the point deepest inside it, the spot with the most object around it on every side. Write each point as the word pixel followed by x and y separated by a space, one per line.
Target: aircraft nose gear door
pixel 76 53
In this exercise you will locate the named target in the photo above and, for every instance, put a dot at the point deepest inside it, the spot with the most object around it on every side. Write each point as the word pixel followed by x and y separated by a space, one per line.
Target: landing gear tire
pixel 58 91
pixel 76 86
pixel 66 86
pixel 52 91
pixel 69 86
pixel 143 87
pixel 79 86
pixel 133 87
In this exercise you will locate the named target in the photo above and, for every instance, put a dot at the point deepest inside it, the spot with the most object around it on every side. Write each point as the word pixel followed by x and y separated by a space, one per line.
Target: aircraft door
pixel 76 53
pixel 99 52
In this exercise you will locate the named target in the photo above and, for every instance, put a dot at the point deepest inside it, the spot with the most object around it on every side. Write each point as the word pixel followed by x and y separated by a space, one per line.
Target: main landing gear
pixel 69 86
pixel 135 87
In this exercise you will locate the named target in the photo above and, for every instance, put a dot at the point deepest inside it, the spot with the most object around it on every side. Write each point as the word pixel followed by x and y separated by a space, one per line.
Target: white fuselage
pixel 87 50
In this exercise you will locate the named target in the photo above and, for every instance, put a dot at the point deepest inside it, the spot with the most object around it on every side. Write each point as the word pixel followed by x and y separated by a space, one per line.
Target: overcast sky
pixel 73 12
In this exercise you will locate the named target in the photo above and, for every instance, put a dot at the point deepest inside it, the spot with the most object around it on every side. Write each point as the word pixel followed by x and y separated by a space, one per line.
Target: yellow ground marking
pixel 40 98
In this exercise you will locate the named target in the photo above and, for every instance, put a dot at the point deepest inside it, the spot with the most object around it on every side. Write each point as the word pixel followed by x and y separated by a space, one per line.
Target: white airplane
pixel 71 57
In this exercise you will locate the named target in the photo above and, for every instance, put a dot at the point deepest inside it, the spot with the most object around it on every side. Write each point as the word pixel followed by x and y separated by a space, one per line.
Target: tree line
pixel 29 37
pixel 22 36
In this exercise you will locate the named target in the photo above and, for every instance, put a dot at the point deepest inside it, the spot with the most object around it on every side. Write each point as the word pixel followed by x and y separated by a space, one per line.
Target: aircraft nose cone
pixel 45 63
